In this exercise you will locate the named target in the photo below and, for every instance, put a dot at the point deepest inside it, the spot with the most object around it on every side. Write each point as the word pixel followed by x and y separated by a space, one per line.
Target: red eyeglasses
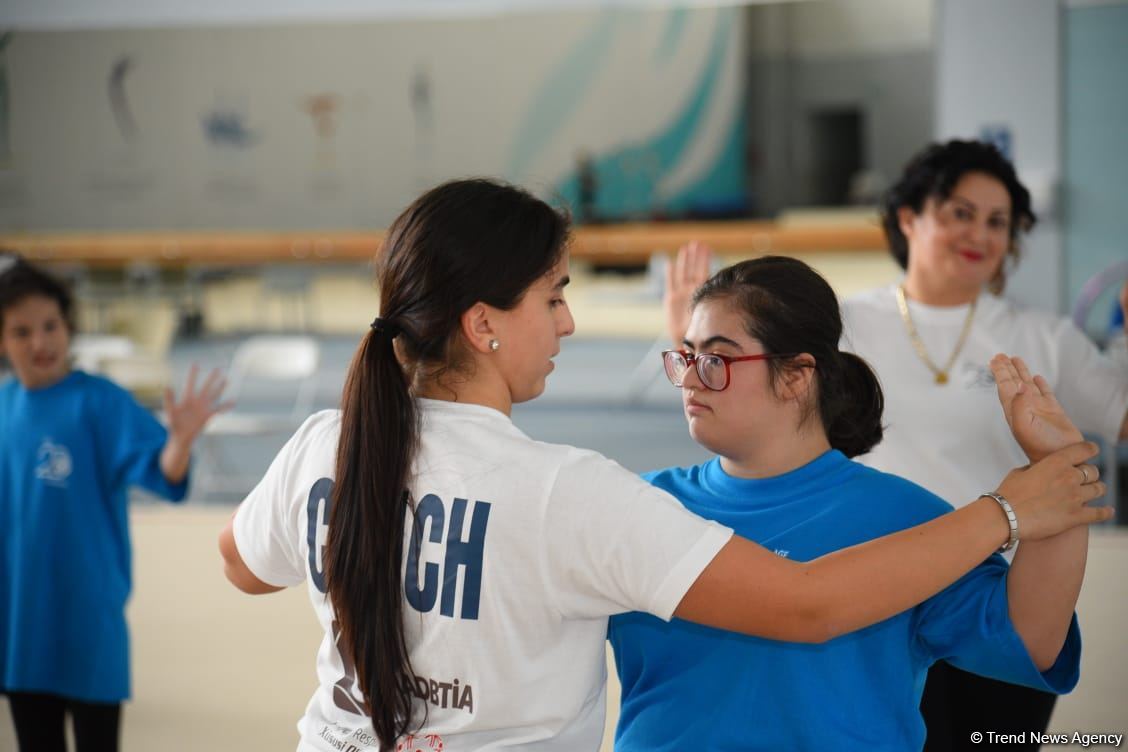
pixel 712 369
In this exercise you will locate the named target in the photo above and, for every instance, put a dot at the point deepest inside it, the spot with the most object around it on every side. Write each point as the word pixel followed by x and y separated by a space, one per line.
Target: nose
pixel 980 233
pixel 691 379
pixel 567 324
pixel 39 341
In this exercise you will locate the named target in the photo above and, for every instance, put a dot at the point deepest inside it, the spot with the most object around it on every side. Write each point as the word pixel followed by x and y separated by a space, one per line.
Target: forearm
pixel 1042 589
pixel 845 590
pixel 175 457
pixel 859 585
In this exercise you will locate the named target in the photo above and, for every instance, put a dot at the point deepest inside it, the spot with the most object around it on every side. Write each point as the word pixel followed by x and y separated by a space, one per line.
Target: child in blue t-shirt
pixel 71 444
pixel 765 387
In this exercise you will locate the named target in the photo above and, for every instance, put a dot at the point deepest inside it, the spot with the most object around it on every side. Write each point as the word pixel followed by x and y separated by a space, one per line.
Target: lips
pixel 973 256
pixel 693 407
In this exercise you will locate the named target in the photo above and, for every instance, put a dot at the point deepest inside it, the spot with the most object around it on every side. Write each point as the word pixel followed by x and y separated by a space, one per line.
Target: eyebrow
pixel 971 204
pixel 712 342
pixel 562 283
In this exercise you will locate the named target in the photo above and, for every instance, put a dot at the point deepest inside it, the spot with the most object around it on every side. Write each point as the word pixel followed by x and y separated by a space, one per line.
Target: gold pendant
pixel 941 378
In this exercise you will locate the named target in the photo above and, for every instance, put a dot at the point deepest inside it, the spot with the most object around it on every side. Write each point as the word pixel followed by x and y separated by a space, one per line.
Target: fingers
pixel 1006 382
pixel 1005 373
pixel 190 385
pixel 690 268
pixel 697 264
pixel 1074 454
pixel 223 407
pixel 1095 515
pixel 213 386
pixel 1089 474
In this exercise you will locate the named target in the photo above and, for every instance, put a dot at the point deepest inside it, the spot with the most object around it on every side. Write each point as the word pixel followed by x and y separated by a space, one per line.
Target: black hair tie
pixel 386 327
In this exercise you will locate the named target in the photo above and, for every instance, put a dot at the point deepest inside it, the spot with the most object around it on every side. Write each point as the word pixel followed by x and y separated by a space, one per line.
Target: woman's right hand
pixel 684 274
pixel 1052 495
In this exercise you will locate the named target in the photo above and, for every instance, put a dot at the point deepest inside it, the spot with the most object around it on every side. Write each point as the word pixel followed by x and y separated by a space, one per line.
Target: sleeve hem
pixel 682 576
pixel 257 567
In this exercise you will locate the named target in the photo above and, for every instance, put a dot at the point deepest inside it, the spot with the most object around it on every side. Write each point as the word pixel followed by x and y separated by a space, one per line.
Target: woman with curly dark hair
pixel 953 221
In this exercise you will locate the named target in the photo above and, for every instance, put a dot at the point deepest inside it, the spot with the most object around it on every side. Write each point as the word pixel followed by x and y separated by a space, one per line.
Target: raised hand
pixel 188 415
pixel 1052 495
pixel 684 275
pixel 1038 421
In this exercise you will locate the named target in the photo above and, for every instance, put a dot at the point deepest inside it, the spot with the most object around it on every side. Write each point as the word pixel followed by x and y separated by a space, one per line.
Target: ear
pixel 797 380
pixel 476 327
pixel 906 219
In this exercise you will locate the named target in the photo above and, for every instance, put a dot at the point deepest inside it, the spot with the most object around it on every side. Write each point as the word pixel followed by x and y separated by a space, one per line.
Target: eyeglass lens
pixel 710 369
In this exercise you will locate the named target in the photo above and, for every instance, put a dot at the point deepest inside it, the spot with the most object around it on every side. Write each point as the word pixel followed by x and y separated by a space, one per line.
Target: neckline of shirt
pixel 722 485
pixel 932 314
pixel 463 409
pixel 41 390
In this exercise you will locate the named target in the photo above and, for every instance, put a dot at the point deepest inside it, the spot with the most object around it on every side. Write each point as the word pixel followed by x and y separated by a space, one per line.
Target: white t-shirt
pixel 952 438
pixel 506 627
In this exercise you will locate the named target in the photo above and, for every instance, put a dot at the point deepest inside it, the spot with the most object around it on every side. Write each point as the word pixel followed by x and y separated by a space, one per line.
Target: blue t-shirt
pixel 68 454
pixel 687 686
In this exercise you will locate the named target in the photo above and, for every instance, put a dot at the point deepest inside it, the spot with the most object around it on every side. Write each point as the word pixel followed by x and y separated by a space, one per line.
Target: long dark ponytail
pixel 463 242
pixel 789 308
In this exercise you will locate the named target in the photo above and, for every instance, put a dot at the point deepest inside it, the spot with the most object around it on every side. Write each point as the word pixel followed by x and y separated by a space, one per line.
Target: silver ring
pixel 1084 474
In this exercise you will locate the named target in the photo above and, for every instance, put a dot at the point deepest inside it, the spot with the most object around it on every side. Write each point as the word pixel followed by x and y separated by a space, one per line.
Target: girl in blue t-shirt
pixel 71 444
pixel 765 387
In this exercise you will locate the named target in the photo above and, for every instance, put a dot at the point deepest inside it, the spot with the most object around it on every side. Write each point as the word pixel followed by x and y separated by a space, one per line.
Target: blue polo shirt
pixel 686 686
pixel 68 454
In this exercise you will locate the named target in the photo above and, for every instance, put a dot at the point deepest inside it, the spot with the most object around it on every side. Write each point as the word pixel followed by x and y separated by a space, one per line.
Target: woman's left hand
pixel 188 415
pixel 1037 420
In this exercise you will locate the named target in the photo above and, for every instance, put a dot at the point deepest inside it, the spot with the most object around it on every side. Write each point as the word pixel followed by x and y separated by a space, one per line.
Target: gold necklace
pixel 941 374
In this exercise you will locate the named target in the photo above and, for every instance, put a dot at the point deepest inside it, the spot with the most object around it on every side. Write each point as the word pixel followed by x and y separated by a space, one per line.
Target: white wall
pixel 874 56
pixel 515 96
pixel 998 63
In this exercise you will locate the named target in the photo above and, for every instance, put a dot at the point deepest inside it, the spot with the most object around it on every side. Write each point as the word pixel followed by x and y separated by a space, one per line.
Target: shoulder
pixel 672 478
pixel 874 300
pixel 866 316
pixel 98 387
pixel 318 434
pixel 897 499
pixel 1006 312
pixel 585 472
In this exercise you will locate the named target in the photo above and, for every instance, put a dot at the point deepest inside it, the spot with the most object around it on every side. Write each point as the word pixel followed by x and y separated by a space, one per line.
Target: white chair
pixel 92 351
pixel 283 369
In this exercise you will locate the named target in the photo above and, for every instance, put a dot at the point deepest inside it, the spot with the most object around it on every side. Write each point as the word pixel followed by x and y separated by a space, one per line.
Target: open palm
pixel 188 414
pixel 684 274
pixel 1039 423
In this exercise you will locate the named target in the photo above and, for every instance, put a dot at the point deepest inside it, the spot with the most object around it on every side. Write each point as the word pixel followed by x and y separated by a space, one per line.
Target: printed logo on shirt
pixel 457 551
pixel 425 743
pixel 445 694
pixel 53 463
pixel 345 739
pixel 975 376
pixel 462 553
pixel 782 552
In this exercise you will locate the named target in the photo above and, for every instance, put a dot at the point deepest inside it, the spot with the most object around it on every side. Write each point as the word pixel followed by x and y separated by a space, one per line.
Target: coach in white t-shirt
pixel 952 221
pixel 474 617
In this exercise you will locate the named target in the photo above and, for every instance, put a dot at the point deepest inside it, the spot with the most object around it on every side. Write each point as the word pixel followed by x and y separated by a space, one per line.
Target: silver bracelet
pixel 1012 520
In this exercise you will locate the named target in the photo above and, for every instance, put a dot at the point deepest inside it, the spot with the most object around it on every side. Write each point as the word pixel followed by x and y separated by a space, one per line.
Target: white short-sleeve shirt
pixel 952 438
pixel 526 549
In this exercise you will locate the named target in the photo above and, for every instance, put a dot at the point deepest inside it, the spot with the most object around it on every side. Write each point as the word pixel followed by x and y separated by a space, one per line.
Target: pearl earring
pixel 494 344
